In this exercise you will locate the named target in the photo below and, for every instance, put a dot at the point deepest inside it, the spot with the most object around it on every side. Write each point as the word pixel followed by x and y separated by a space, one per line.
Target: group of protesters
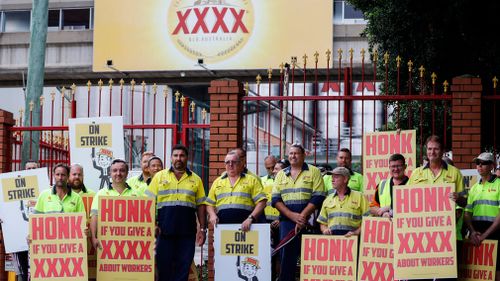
pixel 294 197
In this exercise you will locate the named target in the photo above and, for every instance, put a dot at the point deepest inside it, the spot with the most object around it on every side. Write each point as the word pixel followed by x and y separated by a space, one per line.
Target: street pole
pixel 36 71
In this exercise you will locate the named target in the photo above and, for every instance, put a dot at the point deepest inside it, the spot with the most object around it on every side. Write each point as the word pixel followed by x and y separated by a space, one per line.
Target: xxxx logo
pixel 210 29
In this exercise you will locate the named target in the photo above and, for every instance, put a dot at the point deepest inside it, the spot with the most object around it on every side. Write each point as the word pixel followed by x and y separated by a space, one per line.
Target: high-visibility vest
pixel 384 193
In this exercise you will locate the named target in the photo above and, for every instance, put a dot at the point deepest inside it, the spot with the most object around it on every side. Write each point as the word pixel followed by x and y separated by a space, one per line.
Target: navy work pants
pixel 174 255
pixel 290 253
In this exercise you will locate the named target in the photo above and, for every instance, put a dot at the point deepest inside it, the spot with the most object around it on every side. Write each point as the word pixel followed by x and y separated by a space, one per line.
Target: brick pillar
pixel 6 122
pixel 466 120
pixel 225 134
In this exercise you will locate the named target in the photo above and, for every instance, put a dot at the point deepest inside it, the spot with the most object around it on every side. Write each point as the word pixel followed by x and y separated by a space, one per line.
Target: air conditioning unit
pixel 74 27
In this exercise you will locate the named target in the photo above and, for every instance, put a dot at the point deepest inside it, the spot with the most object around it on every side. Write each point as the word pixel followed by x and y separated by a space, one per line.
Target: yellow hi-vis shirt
pixel 138 183
pixel 344 215
pixel 484 200
pixel 245 194
pixel 49 202
pixel 307 188
pixel 270 212
pixel 188 191
pixel 89 192
pixel 177 201
pixel 448 174
pixel 110 191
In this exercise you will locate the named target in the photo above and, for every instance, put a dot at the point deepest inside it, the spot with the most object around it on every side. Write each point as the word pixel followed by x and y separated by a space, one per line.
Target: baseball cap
pixel 486 157
pixel 343 171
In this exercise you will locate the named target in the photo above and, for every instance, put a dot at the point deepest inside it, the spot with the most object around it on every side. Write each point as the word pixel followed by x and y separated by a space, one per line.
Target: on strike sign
pixel 126 232
pixel 58 247
pixel 424 233
pixel 328 257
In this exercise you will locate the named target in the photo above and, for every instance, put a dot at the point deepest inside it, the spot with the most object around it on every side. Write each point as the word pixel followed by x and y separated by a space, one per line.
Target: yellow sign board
pixel 126 229
pixel 94 135
pixel 424 232
pixel 58 247
pixel 239 243
pixel 20 188
pixel 328 257
pixel 225 34
pixel 376 250
pixel 478 263
pixel 378 147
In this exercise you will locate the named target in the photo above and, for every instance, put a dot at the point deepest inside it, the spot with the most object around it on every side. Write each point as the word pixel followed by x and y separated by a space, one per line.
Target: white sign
pixel 471 177
pixel 94 143
pixel 19 191
pixel 242 255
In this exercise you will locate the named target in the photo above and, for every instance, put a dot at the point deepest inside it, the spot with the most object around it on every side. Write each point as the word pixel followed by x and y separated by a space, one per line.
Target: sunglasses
pixel 482 163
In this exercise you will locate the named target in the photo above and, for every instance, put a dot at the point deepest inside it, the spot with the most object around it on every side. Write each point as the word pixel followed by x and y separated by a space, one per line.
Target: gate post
pixel 466 120
pixel 225 134
pixel 6 122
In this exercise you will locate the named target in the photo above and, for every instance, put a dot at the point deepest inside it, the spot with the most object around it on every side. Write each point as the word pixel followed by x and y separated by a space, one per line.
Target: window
pixel 76 19
pixel 344 12
pixel 16 21
pixel 54 20
pixel 262 119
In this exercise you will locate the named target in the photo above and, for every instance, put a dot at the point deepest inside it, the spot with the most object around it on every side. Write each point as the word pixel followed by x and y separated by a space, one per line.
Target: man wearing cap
pixel 381 204
pixel 235 196
pixel 482 213
pixel 297 193
pixel 344 208
pixel 344 159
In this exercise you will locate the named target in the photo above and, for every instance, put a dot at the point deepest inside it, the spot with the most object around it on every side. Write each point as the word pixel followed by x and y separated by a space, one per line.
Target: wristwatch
pixel 203 230
pixel 252 218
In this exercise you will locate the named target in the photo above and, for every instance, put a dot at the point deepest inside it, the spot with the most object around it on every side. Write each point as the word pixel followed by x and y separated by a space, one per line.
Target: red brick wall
pixel 466 120
pixel 6 121
pixel 225 135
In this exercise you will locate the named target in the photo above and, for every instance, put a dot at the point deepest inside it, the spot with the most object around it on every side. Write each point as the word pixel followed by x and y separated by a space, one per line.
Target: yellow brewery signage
pixel 213 30
pixel 224 34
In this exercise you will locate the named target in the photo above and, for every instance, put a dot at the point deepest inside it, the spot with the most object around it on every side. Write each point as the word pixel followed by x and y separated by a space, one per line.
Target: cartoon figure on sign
pixel 248 269
pixel 102 163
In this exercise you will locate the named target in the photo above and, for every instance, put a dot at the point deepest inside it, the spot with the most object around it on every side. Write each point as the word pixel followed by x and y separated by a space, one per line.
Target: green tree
pixel 448 37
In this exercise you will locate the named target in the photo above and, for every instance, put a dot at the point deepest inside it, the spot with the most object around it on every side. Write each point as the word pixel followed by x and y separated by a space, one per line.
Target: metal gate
pixel 328 109
pixel 155 117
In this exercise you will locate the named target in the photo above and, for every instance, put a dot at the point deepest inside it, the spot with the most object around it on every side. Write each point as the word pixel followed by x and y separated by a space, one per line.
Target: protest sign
pixel 378 147
pixel 424 232
pixel 478 263
pixel 376 253
pixel 242 255
pixel 58 247
pixel 19 190
pixel 91 252
pixel 471 177
pixel 126 229
pixel 94 143
pixel 328 257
